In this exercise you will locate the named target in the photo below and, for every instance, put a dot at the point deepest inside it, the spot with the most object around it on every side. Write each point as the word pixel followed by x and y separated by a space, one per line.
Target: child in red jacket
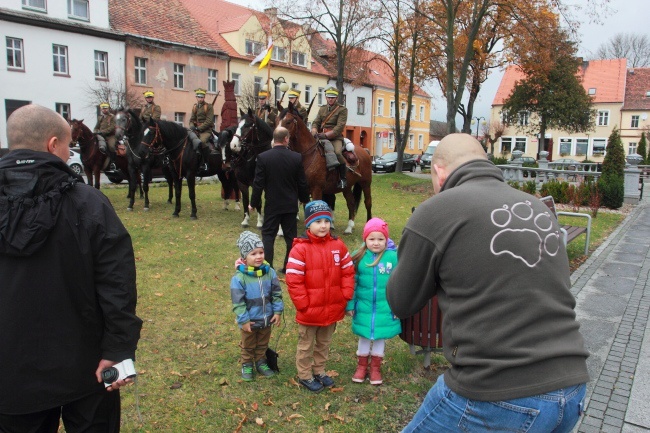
pixel 320 279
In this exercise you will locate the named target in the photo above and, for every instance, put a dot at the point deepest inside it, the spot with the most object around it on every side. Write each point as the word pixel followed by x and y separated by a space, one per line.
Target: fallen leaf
pixel 268 402
pixel 158 294
pixel 340 418
pixel 337 389
pixel 293 382
pixel 321 429
pixel 223 381
pixel 333 373
pixel 327 406
pixel 259 421
pixel 201 400
pixel 294 416
pixel 176 385
pixel 295 405
pixel 254 407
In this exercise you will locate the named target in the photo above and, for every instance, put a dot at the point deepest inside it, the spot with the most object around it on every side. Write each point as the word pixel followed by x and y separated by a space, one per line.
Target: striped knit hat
pixel 247 242
pixel 316 210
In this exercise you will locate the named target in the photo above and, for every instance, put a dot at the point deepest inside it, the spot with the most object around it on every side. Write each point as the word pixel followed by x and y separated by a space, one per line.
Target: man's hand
pixel 103 365
pixel 246 327
pixel 266 107
pixel 322 136
pixel 275 320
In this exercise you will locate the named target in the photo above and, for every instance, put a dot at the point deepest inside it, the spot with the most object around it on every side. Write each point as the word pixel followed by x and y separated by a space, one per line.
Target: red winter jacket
pixel 320 277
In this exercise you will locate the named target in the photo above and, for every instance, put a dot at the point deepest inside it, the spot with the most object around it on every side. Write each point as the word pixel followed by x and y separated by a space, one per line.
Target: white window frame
pixel 402 110
pixel 307 94
pixel 421 112
pixel 179 118
pixel 632 147
pixel 101 65
pixel 380 107
pixel 237 79
pixel 257 85
pixel 599 140
pixel 179 76
pixel 140 67
pixel 361 105
pixel 213 80
pixel 279 54
pixel 523 118
pixel 634 122
pixel 420 141
pixel 392 109
pixel 602 119
pixel 60 59
pixel 298 58
pixel 501 143
pixel 413 113
pixel 563 140
pixel 253 48
pixel 15 53
pixel 518 141
pixel 31 4
pixel 63 109
pixel 321 93
pixel 391 140
pixel 575 148
pixel 73 9
pixel 411 141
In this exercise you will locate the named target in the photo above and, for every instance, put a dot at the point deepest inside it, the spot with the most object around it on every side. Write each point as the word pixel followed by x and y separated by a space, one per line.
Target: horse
pixel 319 179
pixel 140 158
pixel 252 137
pixel 229 184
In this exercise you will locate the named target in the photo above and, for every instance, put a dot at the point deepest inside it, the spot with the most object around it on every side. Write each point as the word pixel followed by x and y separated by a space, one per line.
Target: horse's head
pixel 126 123
pixel 242 133
pixel 151 136
pixel 299 133
pixel 77 129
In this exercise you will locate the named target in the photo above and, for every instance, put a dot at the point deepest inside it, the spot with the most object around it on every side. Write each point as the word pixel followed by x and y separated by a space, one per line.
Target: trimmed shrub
pixel 497 160
pixel 557 189
pixel 611 184
pixel 530 187
pixel 611 190
pixel 642 149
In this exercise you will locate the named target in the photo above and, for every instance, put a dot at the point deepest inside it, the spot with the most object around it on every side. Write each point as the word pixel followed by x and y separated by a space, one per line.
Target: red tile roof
pixel 636 90
pixel 606 76
pixel 168 21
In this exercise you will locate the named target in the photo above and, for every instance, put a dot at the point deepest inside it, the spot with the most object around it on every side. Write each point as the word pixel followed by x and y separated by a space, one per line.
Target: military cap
pixel 104 105
pixel 293 93
pixel 263 94
pixel 148 94
pixel 200 92
pixel 331 92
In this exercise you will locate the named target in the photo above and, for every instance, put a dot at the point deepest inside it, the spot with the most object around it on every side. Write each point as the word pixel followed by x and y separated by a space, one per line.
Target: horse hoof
pixel 169 201
pixel 244 225
pixel 129 209
pixel 175 215
pixel 193 218
pixel 348 231
pixel 146 209
pixel 237 206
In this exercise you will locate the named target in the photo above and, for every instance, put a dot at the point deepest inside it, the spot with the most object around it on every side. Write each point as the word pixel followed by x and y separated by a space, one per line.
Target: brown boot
pixel 375 370
pixel 362 369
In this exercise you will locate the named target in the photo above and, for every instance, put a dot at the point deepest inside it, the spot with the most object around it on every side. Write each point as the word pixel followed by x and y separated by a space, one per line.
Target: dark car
pixel 528 160
pixel 388 161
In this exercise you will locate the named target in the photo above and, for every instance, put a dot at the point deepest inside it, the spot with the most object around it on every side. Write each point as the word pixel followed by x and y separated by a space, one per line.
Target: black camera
pixel 123 370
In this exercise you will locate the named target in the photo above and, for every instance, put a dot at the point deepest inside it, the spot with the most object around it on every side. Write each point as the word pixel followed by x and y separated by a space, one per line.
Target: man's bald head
pixel 32 127
pixel 455 150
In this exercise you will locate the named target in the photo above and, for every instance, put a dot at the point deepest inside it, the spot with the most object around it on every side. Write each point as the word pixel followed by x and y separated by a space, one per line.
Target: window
pixel 179 76
pixel 634 123
pixel 523 118
pixel 179 118
pixel 140 70
pixel 307 94
pixel 320 95
pixel 78 9
pixel 257 85
pixel 582 144
pixel 212 80
pixel 237 78
pixel 63 110
pixel 598 146
pixel 506 145
pixel 565 146
pixel 298 58
pixel 392 109
pixel 35 4
pixel 15 58
pixel 420 141
pixel 391 140
pixel 380 107
pixel 253 48
pixel 411 141
pixel 592 90
pixel 402 110
pixel 603 118
pixel 422 112
pixel 295 86
pixel 520 144
pixel 361 105
pixel 412 111
pixel 279 54
pixel 60 58
pixel 101 64
pixel 631 148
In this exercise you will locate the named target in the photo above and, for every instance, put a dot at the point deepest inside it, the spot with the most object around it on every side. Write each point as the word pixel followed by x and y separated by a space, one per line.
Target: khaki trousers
pixel 338 149
pixel 254 344
pixel 313 349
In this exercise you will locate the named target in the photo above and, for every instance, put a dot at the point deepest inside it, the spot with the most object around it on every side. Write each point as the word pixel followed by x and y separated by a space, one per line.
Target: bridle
pixel 156 145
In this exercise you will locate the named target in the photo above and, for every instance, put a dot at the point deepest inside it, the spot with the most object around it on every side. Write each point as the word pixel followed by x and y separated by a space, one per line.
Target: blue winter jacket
pixel 255 298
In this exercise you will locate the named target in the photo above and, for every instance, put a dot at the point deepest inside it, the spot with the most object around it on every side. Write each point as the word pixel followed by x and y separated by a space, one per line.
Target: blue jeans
pixel 445 411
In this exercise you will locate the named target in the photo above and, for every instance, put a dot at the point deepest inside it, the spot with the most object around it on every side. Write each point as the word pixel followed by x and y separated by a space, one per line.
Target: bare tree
pixel 635 47
pixel 247 97
pixel 114 92
pixel 492 132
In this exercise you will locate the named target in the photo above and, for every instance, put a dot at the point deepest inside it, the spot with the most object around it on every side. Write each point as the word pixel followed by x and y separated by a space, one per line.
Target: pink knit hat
pixel 375 225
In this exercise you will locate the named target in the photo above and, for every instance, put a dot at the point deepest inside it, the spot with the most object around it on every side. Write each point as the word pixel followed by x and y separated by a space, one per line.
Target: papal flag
pixel 264 57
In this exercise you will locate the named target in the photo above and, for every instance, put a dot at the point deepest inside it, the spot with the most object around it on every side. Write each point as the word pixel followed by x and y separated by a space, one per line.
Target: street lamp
pixel 478 122
pixel 283 87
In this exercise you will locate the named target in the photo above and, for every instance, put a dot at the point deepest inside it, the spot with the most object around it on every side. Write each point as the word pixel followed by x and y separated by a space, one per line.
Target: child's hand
pixel 350 313
pixel 275 320
pixel 246 327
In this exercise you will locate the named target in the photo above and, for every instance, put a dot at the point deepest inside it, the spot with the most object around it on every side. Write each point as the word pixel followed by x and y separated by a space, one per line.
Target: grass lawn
pixel 189 378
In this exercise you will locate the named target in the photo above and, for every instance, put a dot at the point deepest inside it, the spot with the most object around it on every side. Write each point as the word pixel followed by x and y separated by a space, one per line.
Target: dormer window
pixel 592 90
pixel 35 4
pixel 647 94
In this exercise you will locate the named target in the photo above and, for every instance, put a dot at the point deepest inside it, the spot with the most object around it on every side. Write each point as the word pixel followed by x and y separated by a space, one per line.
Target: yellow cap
pixel 263 94
pixel 331 93
pixel 293 93
pixel 104 105
pixel 200 92
pixel 148 94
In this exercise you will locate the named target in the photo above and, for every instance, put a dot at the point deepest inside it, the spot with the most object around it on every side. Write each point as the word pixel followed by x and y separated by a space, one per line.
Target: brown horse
pixel 322 181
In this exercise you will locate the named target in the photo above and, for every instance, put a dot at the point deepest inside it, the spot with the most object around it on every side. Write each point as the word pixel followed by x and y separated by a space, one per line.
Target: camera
pixel 123 370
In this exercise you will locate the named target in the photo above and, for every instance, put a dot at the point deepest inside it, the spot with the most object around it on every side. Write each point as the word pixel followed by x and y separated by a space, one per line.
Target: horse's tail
pixel 356 193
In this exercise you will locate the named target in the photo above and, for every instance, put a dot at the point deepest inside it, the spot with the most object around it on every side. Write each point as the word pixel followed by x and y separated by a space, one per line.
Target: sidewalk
pixel 613 302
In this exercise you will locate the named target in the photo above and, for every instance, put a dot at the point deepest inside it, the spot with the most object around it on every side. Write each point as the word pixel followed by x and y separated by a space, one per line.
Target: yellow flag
pixel 264 56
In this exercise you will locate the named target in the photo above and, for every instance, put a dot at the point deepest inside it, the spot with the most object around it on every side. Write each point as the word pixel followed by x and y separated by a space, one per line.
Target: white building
pixel 56 51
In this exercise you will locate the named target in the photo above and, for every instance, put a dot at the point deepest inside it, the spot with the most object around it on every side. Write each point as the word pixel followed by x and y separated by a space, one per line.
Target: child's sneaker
pixel 264 369
pixel 312 384
pixel 247 371
pixel 324 380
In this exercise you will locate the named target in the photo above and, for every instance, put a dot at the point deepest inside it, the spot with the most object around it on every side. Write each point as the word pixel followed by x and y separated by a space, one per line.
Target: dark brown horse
pixel 92 159
pixel 322 181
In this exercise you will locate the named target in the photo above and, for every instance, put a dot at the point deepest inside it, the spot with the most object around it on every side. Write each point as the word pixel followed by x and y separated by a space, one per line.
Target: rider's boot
pixel 111 164
pixel 343 172
pixel 205 153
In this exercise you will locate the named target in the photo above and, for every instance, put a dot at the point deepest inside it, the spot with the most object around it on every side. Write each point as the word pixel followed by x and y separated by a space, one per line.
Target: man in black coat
pixel 68 291
pixel 280 174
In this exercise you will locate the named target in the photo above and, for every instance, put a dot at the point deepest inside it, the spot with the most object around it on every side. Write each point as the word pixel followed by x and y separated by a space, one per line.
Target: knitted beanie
pixel 316 210
pixel 375 225
pixel 247 242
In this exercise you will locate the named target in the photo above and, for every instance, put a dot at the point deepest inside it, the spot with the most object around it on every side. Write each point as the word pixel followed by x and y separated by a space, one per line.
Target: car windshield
pixel 392 156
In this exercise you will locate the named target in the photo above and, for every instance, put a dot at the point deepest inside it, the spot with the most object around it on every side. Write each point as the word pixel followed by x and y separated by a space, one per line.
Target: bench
pixel 570 232
pixel 424 329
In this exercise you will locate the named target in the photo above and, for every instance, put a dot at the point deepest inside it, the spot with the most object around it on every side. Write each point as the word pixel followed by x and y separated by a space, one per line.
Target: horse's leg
pixel 367 200
pixel 89 176
pixel 191 186
pixel 178 186
pixel 146 178
pixel 235 188
pixel 131 195
pixel 97 174
pixel 225 185
pixel 170 183
pixel 244 192
pixel 260 217
pixel 349 199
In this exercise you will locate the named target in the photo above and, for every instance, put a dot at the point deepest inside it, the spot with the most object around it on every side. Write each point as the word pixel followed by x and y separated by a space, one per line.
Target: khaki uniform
pixel 150 111
pixel 268 116
pixel 203 119
pixel 335 123
pixel 302 110
pixel 106 127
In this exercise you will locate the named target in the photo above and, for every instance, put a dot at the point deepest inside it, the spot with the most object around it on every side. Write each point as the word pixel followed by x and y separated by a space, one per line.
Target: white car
pixel 74 162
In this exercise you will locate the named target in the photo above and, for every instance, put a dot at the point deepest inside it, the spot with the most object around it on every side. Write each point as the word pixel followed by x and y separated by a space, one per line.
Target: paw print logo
pixel 524 235
pixel 382 269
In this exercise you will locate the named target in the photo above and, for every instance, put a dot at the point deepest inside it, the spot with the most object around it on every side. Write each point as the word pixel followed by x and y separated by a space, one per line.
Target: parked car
pixel 74 162
pixel 565 164
pixel 528 160
pixel 425 159
pixel 388 161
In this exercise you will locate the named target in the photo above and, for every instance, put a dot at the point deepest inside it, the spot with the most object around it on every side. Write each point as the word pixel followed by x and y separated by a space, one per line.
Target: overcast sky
pixel 627 16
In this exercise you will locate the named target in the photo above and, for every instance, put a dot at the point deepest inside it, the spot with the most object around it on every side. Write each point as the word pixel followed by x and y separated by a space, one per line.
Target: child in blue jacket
pixel 257 302
pixel 372 319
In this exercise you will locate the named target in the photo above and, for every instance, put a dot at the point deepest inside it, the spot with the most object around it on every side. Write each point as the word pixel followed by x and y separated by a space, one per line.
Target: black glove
pixel 266 107
pixel 321 135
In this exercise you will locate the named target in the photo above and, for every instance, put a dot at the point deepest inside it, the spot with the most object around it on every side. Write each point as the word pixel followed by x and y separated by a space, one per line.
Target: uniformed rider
pixel 294 98
pixel 202 122
pixel 330 124
pixel 150 109
pixel 105 132
pixel 265 111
